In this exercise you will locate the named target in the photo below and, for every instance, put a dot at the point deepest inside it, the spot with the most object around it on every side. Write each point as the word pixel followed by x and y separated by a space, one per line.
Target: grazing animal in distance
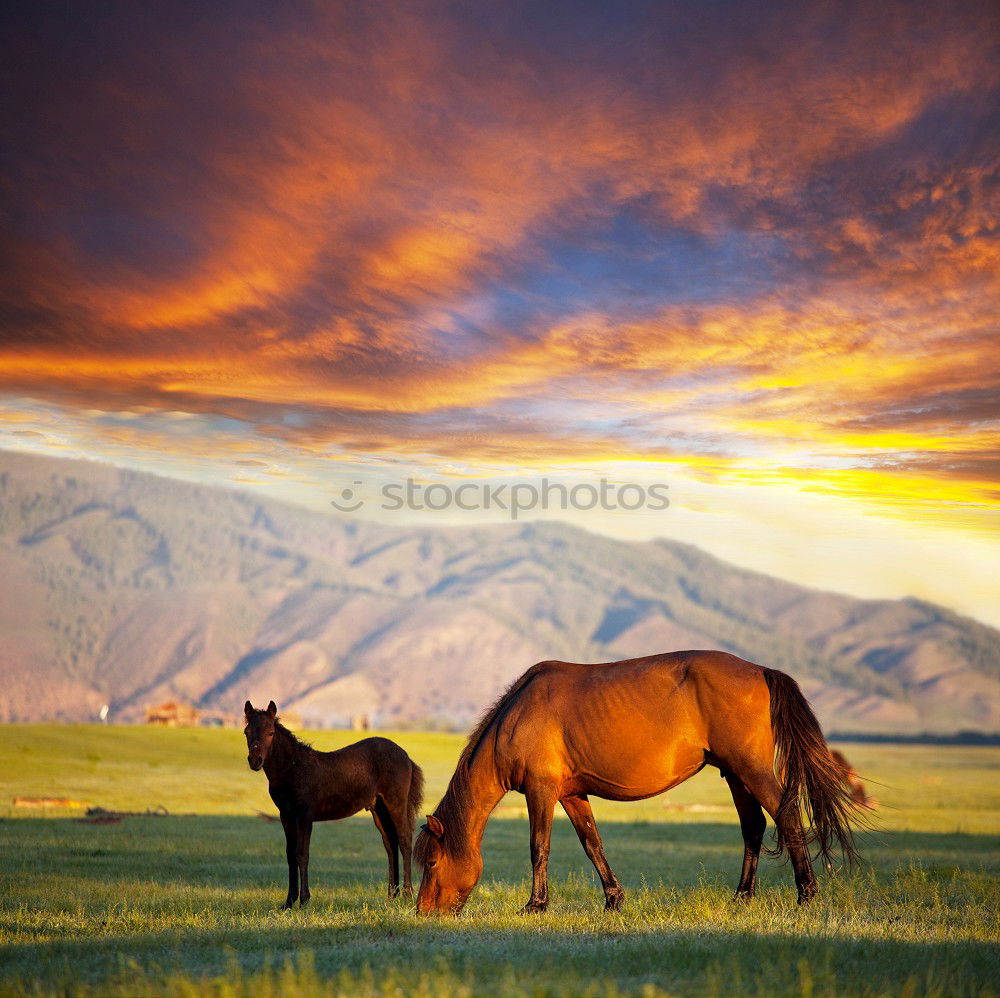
pixel 630 730
pixel 850 777
pixel 307 786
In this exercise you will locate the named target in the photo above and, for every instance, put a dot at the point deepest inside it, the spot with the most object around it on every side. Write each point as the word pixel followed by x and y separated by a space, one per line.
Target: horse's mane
pixel 453 810
pixel 293 738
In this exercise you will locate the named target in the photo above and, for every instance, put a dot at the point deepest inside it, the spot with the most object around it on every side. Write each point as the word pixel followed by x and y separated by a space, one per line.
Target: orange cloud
pixel 380 230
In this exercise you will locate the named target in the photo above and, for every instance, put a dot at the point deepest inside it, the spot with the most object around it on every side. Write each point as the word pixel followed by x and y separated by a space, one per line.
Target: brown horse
pixel 627 731
pixel 307 786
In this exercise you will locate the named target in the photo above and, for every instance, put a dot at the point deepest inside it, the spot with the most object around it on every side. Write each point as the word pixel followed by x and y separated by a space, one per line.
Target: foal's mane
pixel 453 811
pixel 297 743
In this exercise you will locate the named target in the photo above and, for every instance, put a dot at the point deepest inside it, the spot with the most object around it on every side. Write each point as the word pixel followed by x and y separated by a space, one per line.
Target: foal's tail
pixel 415 798
pixel 810 778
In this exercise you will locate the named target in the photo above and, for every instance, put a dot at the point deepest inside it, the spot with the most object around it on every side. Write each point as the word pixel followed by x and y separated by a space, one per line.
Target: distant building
pixel 173 715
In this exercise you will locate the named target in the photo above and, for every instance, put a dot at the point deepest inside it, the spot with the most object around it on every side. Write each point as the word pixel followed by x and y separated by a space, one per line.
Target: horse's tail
pixel 415 797
pixel 810 778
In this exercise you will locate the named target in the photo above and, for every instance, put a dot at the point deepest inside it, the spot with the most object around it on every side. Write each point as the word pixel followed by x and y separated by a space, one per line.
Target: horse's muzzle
pixel 427 906
pixel 255 764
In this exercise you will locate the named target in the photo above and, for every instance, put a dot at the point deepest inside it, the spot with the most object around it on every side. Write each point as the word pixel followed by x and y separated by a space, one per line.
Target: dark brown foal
pixel 308 786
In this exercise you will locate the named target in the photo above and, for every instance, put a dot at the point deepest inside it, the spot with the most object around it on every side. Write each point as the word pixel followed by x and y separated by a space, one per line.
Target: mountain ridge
pixel 128 588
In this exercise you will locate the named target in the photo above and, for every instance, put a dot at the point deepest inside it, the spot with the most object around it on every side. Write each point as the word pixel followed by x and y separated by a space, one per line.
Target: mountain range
pixel 125 588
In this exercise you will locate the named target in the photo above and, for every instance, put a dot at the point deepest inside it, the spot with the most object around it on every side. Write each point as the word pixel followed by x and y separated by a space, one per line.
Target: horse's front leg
pixel 304 835
pixel 579 811
pixel 290 825
pixel 541 804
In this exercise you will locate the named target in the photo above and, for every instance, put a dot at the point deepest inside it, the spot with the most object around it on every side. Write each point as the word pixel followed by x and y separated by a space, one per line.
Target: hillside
pixel 127 588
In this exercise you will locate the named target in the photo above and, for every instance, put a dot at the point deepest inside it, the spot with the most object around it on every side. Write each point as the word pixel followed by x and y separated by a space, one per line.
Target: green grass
pixel 188 904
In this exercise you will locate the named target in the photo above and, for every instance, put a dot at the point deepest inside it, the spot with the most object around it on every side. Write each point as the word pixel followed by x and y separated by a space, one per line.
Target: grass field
pixel 188 904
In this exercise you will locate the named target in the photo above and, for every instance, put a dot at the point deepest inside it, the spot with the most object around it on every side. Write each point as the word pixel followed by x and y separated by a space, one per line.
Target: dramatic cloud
pixel 755 241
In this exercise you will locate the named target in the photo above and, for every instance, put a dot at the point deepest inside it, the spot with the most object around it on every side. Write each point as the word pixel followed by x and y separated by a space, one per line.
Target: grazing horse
pixel 630 730
pixel 849 775
pixel 307 786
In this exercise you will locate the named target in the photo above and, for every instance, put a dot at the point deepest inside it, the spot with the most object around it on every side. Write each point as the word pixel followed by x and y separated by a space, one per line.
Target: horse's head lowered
pixel 449 875
pixel 259 732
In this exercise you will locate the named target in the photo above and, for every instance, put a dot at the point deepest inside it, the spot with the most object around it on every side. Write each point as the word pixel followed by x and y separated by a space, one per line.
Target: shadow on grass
pixel 245 852
pixel 724 961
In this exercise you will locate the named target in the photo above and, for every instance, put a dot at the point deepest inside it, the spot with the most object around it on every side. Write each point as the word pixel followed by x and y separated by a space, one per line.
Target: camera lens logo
pixel 350 500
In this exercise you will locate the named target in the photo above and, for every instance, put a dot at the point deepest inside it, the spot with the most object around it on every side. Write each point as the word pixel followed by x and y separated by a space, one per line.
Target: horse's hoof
pixel 288 906
pixel 743 897
pixel 613 902
pixel 806 894
pixel 534 908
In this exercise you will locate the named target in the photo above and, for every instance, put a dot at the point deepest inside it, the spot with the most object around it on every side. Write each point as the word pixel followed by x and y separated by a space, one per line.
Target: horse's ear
pixel 435 827
pixel 272 710
pixel 247 709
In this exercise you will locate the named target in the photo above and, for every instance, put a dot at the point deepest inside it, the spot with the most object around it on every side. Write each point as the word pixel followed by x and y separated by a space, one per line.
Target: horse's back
pixel 643 682
pixel 377 754
pixel 377 745
pixel 632 728
pixel 344 781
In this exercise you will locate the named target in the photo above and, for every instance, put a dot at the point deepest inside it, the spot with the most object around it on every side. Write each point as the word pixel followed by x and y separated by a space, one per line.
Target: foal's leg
pixel 289 824
pixel 383 822
pixel 541 804
pixel 305 826
pixel 752 824
pixel 402 825
pixel 579 812
pixel 406 848
pixel 765 787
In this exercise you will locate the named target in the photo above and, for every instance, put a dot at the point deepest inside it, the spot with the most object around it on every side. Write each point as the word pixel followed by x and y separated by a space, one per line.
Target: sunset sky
pixel 749 250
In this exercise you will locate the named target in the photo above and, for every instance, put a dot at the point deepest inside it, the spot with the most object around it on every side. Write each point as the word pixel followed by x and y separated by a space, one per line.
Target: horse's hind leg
pixel 406 848
pixel 402 823
pixel 383 822
pixel 752 824
pixel 766 789
pixel 580 814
